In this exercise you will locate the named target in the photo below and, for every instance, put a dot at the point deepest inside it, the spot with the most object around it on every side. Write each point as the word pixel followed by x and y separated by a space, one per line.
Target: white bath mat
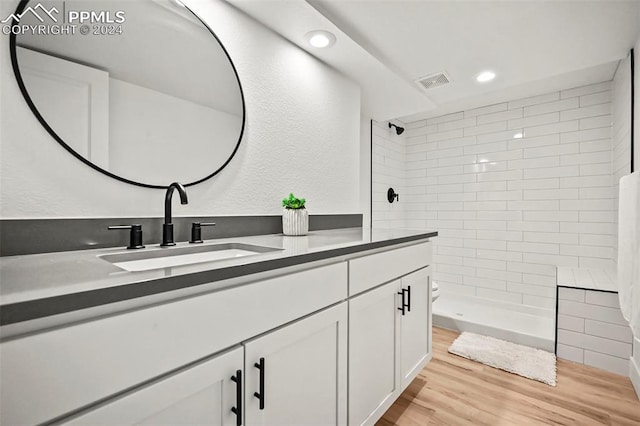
pixel 527 362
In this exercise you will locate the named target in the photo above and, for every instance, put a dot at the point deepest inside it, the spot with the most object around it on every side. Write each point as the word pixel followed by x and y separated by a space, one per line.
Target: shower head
pixel 399 129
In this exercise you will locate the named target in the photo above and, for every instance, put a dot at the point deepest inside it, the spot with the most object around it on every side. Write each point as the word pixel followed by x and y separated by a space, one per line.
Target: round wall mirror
pixel 141 90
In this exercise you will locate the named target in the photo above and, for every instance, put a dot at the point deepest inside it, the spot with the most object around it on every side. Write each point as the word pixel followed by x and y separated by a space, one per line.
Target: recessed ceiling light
pixel 485 76
pixel 320 38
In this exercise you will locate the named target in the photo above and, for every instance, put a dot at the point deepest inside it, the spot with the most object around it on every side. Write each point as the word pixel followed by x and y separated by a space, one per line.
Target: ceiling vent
pixel 433 80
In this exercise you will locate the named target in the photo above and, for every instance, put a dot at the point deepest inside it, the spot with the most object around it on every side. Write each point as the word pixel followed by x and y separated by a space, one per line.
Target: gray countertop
pixel 40 285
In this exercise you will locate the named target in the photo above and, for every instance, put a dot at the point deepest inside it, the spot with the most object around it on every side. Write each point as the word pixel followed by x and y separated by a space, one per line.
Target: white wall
pixel 509 209
pixel 620 134
pixel 365 169
pixel 302 135
pixel 390 169
pixel 150 132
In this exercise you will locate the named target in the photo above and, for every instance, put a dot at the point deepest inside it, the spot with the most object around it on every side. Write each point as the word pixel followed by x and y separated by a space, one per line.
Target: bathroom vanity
pixel 324 329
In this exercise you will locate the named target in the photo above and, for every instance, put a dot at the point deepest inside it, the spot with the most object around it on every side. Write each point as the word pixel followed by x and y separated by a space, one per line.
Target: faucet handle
pixel 135 236
pixel 196 231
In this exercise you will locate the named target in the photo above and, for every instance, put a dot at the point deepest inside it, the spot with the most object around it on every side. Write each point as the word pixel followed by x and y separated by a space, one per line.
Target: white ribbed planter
pixel 295 222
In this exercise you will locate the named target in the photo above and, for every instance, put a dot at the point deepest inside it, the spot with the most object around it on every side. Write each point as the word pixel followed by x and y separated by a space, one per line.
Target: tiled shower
pixel 514 189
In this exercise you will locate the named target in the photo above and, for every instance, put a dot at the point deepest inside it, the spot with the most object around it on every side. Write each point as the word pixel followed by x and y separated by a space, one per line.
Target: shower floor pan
pixel 525 325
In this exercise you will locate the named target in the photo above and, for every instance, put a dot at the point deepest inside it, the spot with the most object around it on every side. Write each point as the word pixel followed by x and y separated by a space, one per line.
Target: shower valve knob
pixel 392 195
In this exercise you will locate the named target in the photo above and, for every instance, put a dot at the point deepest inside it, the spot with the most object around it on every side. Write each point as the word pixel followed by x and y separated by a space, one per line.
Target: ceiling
pixel 385 45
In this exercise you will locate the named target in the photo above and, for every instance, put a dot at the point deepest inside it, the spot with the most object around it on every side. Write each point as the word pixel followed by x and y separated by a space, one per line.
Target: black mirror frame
pixel 16 71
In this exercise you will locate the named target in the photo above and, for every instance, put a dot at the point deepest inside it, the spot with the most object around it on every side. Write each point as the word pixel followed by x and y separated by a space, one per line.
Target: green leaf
pixel 293 202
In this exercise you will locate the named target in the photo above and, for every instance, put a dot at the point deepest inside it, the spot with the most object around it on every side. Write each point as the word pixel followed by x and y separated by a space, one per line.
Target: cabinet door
pixel 200 395
pixel 415 325
pixel 374 376
pixel 304 372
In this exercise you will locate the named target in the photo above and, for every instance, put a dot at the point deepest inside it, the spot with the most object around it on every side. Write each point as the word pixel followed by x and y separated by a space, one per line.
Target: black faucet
pixel 167 227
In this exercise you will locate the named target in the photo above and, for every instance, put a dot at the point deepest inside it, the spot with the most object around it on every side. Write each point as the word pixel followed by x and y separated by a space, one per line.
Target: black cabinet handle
pixel 237 410
pixel 409 298
pixel 260 395
pixel 402 305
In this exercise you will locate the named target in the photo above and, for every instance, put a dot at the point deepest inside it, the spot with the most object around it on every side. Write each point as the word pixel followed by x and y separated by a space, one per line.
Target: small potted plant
pixel 295 218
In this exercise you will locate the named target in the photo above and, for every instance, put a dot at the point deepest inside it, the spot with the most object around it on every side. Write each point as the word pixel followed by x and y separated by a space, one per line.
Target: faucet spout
pixel 167 227
pixel 167 199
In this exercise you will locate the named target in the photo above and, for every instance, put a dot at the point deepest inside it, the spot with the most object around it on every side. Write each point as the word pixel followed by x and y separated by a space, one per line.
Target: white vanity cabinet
pixel 58 372
pixel 202 394
pixel 287 348
pixel 374 374
pixel 297 375
pixel 389 330
pixel 415 325
pixel 301 380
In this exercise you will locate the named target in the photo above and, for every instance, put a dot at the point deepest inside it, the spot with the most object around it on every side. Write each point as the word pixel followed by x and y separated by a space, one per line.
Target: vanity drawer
pixel 55 372
pixel 370 271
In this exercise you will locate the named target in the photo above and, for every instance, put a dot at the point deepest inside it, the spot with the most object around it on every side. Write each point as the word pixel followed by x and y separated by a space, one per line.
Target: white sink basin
pixel 147 260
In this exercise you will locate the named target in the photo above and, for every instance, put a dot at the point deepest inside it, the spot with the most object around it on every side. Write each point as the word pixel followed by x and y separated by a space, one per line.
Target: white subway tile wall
pixel 591 330
pixel 391 170
pixel 513 189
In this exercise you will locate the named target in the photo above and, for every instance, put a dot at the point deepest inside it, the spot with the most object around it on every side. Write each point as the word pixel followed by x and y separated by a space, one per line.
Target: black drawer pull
pixel 237 410
pixel 409 298
pixel 260 395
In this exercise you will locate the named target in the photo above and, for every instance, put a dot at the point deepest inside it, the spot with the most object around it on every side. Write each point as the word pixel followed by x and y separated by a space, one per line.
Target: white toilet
pixel 435 291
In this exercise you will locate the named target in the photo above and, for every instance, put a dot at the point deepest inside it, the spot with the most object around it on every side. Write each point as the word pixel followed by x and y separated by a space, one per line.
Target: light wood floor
pixel 455 391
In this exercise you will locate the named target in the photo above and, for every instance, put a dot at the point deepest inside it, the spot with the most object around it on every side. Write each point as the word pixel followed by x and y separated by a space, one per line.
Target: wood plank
pixel 452 390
